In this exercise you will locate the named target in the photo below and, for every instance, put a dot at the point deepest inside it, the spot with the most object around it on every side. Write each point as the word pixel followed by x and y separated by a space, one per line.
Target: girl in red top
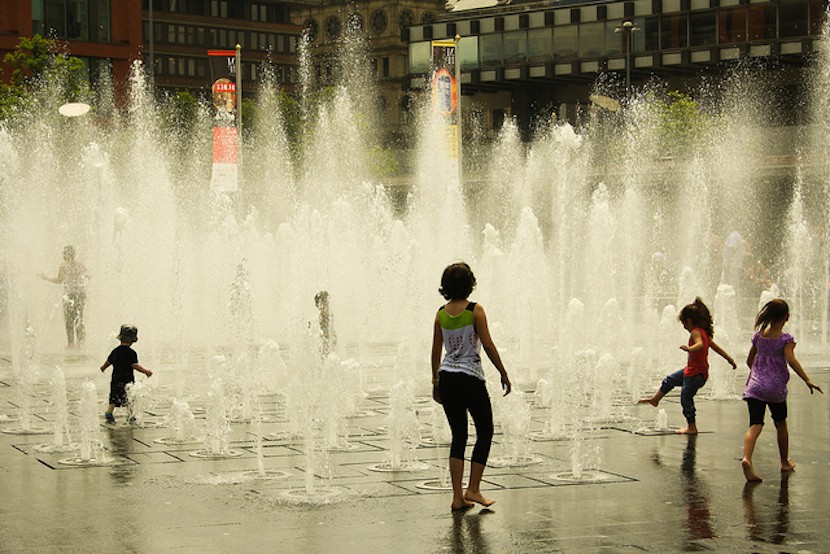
pixel 696 319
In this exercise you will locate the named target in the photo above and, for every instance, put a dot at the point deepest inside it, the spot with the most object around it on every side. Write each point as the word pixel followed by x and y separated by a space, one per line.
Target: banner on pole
pixel 445 94
pixel 225 171
pixel 444 84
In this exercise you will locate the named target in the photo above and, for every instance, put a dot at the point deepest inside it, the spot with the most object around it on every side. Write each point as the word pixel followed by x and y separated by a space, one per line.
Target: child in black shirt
pixel 123 360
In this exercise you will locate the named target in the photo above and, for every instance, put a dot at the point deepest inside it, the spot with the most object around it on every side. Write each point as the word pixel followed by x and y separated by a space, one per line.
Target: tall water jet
pixel 217 427
pixel 404 431
pixel 61 437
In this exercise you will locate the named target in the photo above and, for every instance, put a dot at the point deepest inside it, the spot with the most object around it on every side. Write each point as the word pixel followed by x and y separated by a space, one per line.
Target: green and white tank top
pixel 460 342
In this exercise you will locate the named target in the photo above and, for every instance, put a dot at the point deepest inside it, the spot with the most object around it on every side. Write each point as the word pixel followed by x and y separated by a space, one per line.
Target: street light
pixel 627 27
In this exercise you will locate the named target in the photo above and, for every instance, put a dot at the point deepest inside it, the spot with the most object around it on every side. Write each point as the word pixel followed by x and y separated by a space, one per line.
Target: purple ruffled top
pixel 768 377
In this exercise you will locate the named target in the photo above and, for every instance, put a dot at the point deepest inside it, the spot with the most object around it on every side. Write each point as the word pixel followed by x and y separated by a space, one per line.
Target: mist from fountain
pixel 583 240
pixel 62 436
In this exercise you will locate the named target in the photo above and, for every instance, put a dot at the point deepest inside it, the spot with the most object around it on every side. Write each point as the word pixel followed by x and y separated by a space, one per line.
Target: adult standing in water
pixel 73 276
pixel 458 382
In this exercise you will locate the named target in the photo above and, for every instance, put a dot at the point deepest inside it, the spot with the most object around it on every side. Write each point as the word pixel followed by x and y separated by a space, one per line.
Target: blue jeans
pixel 688 388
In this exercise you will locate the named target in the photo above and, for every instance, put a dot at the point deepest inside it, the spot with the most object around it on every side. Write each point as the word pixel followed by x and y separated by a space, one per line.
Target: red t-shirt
pixel 698 362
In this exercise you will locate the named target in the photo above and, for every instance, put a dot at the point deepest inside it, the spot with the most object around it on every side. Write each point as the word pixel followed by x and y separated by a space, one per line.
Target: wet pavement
pixel 646 491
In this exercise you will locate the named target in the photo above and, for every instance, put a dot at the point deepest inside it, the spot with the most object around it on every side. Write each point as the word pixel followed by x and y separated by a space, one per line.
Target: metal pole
pixel 152 44
pixel 627 58
pixel 239 103
pixel 458 103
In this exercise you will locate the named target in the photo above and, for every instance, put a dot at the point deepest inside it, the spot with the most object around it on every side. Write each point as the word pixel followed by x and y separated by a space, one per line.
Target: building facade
pixel 535 59
pixel 384 24
pixel 104 34
pixel 184 30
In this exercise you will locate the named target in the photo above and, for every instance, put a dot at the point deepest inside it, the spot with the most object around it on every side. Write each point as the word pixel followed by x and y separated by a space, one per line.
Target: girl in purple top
pixel 771 351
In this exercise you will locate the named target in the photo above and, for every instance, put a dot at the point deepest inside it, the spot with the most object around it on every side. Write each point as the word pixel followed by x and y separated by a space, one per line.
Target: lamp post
pixel 627 27
pixel 152 46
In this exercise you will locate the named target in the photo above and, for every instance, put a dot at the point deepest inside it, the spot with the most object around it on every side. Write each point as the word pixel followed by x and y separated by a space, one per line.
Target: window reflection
pixel 72 19
pixel 703 27
pixel 732 25
pixel 540 45
pixel 490 49
pixel 591 40
pixel 515 47
pixel 565 42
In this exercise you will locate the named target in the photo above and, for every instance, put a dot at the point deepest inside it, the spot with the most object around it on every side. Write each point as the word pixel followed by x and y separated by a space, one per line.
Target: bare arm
pixel 435 358
pixel 722 354
pixel 105 365
pixel 57 280
pixel 142 369
pixel 483 332
pixel 697 342
pixel 750 358
pixel 789 353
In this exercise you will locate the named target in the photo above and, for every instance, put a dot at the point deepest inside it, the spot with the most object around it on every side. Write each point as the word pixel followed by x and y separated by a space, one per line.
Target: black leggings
pixel 460 393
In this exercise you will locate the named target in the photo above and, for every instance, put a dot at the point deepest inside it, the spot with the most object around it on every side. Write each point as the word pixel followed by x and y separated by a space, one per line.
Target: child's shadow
pixel 465 535
pixel 766 522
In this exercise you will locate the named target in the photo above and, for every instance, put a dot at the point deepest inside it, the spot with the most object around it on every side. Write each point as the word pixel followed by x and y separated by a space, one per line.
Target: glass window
pixel 591 40
pixel 673 31
pixel 817 9
pixel 54 22
pixel 468 52
pixel 732 25
pixel 651 34
pixel 181 38
pixel 171 34
pixel 99 20
pixel 420 57
pixel 515 47
pixel 490 50
pixel 77 24
pixel 703 28
pixel 565 41
pixel 385 67
pixel 171 66
pixel 37 17
pixel 761 21
pixel 540 45
pixel 792 17
pixel 191 67
pixel 614 40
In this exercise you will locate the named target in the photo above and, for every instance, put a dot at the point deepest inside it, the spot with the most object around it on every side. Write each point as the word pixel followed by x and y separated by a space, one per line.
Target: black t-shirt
pixel 122 359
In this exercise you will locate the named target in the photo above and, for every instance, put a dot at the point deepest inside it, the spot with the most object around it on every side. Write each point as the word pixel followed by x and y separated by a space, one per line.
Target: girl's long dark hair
pixel 699 315
pixel 773 311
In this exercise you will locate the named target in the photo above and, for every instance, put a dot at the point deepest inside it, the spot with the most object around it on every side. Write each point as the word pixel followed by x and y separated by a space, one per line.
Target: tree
pixel 34 61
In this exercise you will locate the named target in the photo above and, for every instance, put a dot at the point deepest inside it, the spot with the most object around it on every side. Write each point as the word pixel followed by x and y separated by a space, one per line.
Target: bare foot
pixel 653 401
pixel 789 465
pixel 461 506
pixel 749 472
pixel 690 430
pixel 479 498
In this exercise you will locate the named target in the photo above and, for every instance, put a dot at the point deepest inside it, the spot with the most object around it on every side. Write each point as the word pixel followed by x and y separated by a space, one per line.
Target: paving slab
pixel 647 491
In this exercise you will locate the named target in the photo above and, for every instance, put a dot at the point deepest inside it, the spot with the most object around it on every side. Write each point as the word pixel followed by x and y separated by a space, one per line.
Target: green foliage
pixel 683 124
pixel 34 61
pixel 179 111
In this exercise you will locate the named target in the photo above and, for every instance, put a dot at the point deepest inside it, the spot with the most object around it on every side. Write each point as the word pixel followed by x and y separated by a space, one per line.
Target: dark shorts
pixel 778 410
pixel 118 393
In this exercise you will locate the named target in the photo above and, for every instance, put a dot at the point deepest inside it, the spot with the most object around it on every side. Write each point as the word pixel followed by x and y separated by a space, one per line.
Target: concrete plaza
pixel 650 491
